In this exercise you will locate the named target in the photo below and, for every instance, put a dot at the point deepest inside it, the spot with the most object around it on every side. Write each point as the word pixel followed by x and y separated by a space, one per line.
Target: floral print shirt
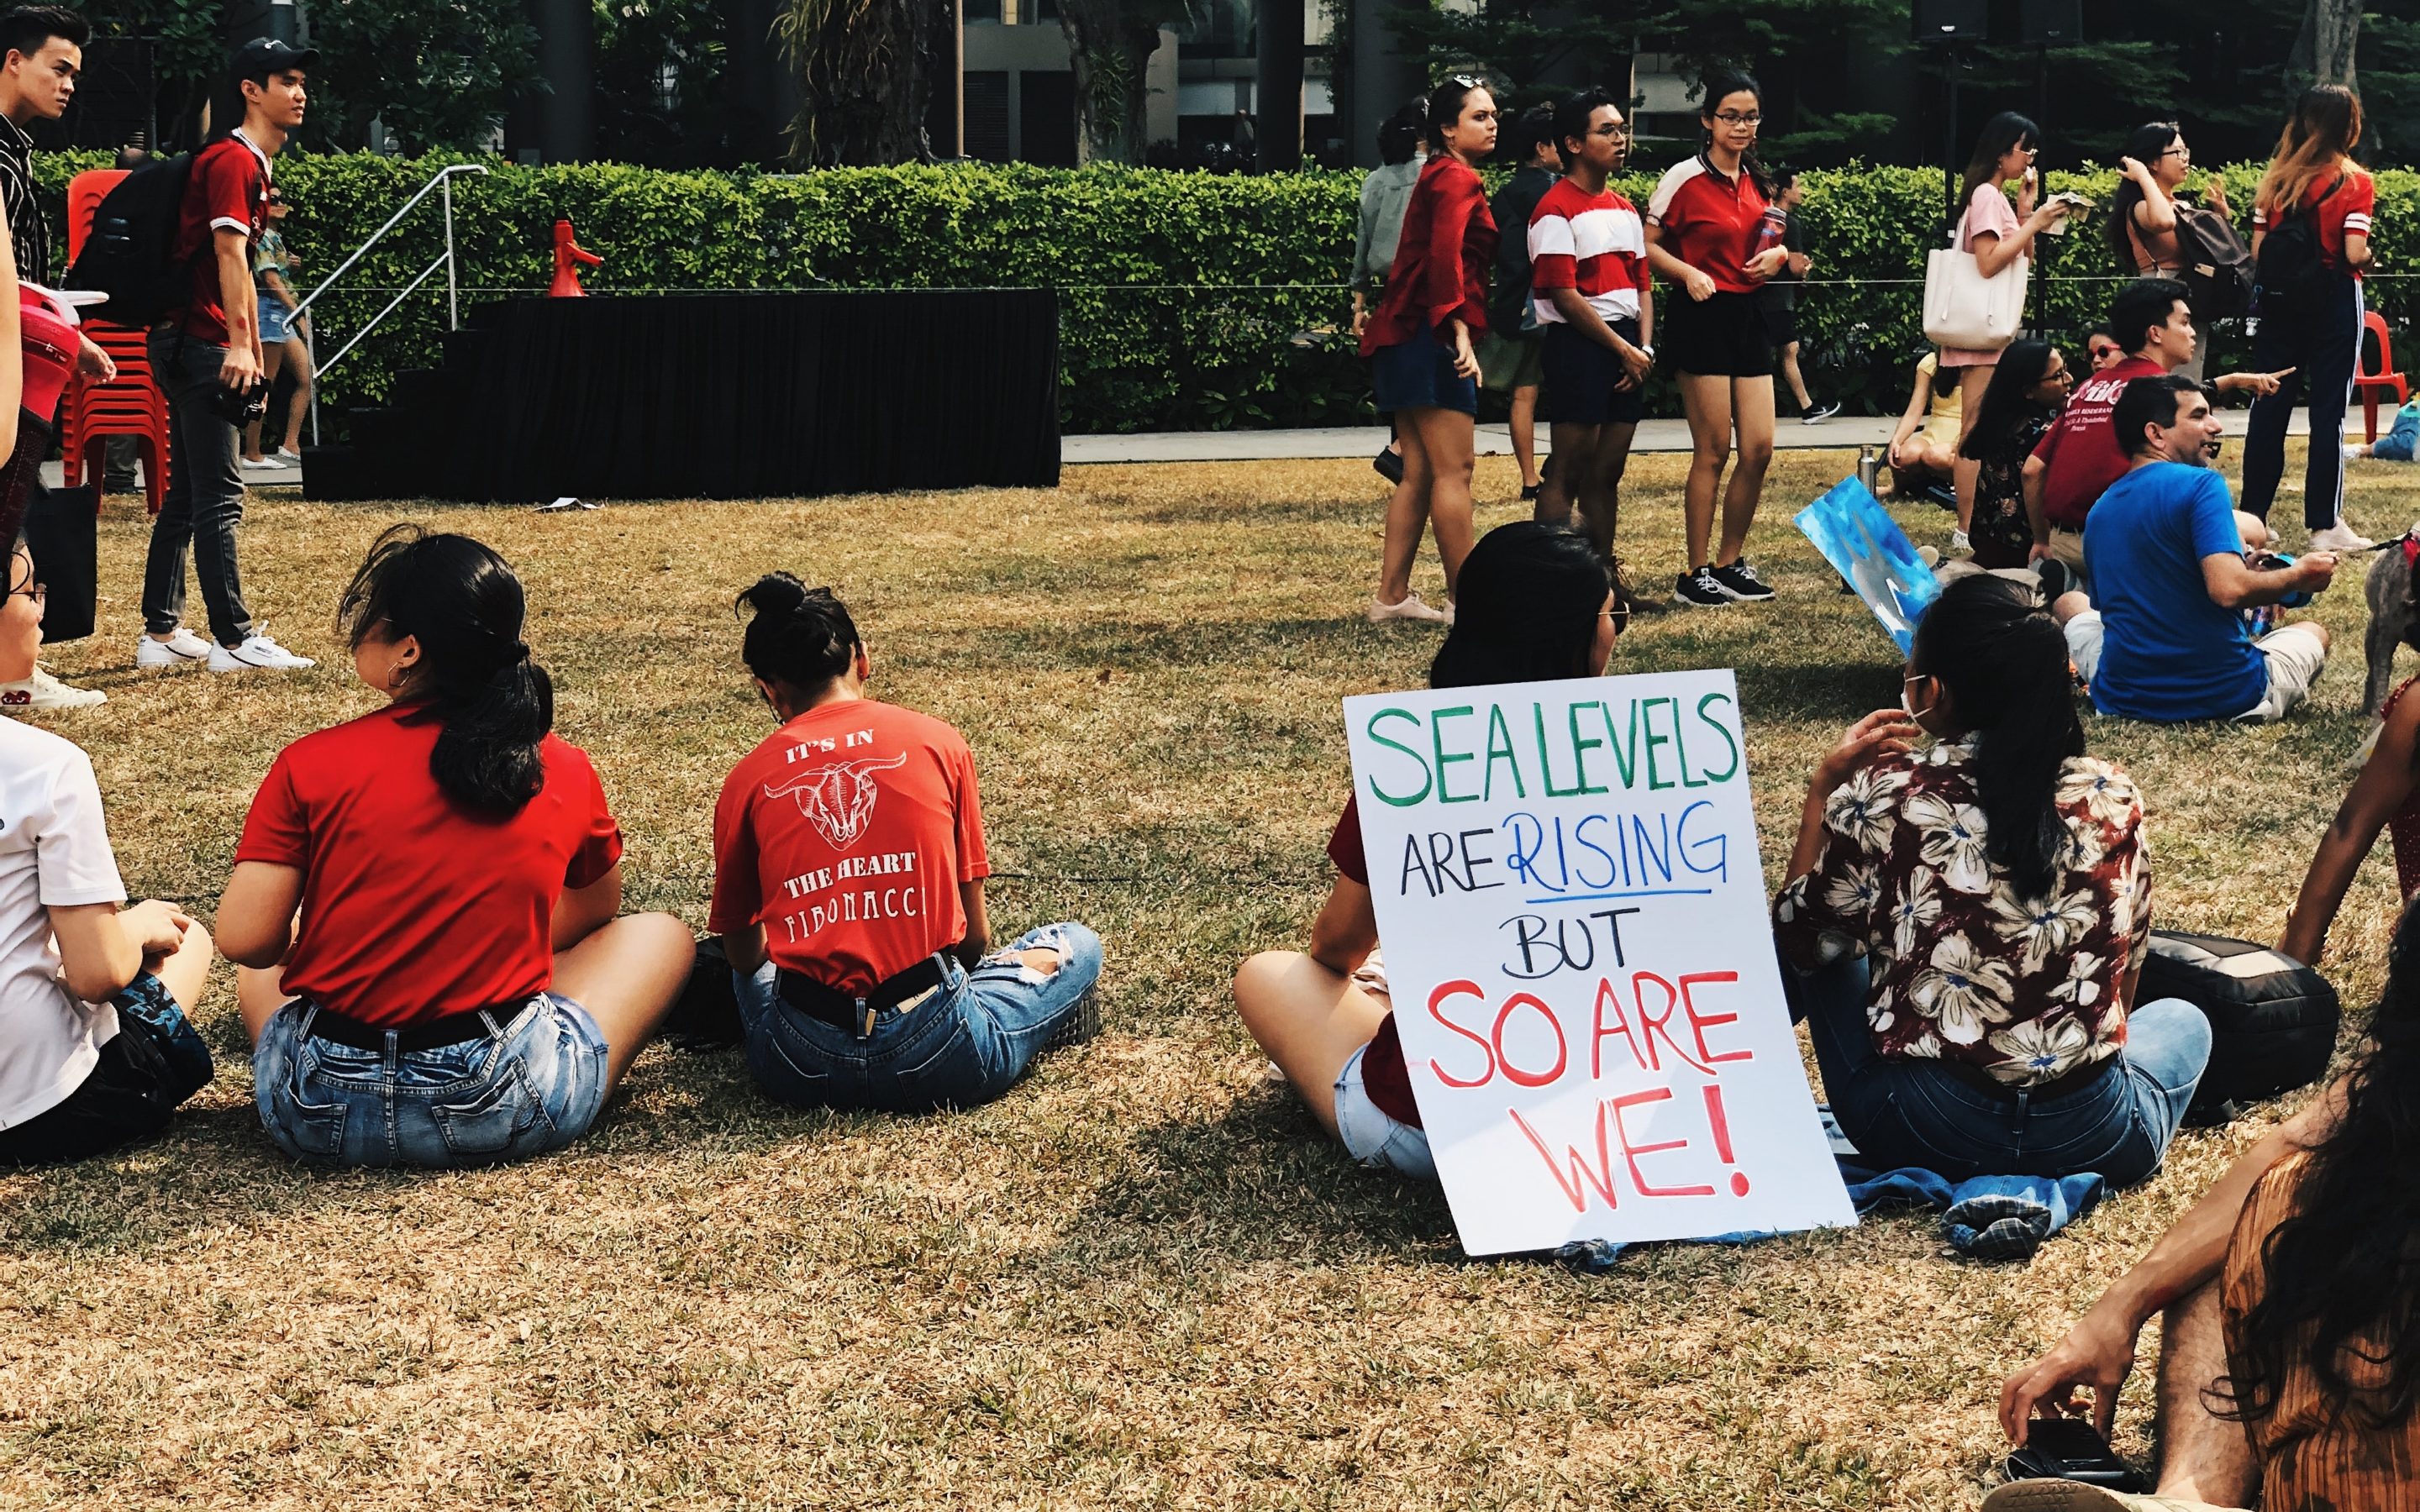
pixel 2027 989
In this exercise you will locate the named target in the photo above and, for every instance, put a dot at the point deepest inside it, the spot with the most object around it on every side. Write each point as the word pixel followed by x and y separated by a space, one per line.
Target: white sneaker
pixel 2354 451
pixel 1959 545
pixel 1409 609
pixel 182 649
pixel 43 691
pixel 289 459
pixel 257 653
pixel 2339 537
pixel 258 462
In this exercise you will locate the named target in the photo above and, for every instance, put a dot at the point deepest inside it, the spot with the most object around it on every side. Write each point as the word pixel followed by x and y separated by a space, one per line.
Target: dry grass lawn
pixel 1141 1279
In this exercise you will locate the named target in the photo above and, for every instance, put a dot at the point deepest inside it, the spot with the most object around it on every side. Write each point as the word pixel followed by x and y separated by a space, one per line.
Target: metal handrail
pixel 442 183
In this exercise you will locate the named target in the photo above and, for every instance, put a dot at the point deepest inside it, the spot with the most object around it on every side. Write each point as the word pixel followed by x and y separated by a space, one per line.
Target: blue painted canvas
pixel 1863 544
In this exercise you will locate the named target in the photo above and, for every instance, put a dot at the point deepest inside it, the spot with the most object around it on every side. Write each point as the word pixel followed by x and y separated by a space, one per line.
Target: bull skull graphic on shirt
pixel 837 799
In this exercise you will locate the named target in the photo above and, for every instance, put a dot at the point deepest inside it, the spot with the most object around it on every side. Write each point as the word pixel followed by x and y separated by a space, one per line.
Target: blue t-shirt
pixel 2167 653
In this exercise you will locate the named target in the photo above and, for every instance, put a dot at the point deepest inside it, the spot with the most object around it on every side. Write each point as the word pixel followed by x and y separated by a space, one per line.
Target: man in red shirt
pixel 848 890
pixel 203 354
pixel 2081 456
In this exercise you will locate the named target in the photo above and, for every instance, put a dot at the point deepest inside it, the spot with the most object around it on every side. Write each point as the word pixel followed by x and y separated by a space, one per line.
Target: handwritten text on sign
pixel 1573 914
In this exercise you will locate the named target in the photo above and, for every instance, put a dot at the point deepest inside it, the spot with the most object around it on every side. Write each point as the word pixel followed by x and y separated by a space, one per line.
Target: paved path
pixel 1364 441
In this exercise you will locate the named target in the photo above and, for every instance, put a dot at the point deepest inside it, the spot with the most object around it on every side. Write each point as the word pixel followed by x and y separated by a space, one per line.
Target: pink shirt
pixel 1988 214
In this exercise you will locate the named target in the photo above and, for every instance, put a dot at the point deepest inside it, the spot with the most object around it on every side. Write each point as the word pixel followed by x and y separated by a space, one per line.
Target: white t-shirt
pixel 54 851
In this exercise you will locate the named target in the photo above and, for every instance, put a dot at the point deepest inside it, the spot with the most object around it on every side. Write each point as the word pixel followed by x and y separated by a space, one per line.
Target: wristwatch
pixel 1644 348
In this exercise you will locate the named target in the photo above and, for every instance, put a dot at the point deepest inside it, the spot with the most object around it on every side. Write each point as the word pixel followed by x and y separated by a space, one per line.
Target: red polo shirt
pixel 1710 222
pixel 2081 450
pixel 229 189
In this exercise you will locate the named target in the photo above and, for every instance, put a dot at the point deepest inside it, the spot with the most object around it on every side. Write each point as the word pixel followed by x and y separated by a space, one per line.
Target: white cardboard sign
pixel 1574 918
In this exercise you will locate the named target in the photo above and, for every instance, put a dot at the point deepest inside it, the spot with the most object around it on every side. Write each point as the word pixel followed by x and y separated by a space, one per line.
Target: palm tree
pixel 865 70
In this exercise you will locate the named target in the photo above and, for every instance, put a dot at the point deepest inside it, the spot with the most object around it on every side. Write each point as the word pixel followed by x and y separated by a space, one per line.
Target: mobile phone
pixel 2069 1448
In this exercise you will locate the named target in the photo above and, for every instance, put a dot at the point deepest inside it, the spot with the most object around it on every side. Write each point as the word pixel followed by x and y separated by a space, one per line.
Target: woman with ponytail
pixel 848 890
pixel 425 898
pixel 1971 920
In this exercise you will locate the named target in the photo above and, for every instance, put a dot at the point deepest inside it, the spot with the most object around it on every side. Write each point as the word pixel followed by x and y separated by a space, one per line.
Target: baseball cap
pixel 267 54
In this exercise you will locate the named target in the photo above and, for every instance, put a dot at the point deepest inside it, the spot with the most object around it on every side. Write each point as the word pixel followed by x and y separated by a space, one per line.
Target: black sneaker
pixel 1698 589
pixel 1740 583
pixel 1530 492
pixel 1389 464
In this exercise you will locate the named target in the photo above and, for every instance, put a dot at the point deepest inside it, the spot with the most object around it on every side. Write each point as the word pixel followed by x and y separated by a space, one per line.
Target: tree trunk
pixel 1110 45
pixel 866 71
pixel 2324 52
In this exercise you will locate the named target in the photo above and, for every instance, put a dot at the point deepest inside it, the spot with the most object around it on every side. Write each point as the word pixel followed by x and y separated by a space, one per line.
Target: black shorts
pixel 1582 378
pixel 1721 335
pixel 155 1062
pixel 1780 323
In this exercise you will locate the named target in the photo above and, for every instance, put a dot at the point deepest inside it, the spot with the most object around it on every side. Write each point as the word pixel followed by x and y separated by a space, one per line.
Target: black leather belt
pixel 430 1034
pixel 844 1010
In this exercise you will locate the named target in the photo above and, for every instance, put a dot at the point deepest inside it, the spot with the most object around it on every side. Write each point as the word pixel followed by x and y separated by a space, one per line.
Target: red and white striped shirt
pixel 1594 243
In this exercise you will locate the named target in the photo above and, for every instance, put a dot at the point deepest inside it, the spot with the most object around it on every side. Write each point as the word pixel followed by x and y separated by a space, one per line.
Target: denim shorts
pixel 1373 1136
pixel 535 1082
pixel 1419 375
pixel 276 327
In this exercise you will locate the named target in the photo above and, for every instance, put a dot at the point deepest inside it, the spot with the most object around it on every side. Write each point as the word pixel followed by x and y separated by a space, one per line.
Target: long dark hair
pixel 2002 134
pixel 2341 1272
pixel 796 635
pixel 2145 143
pixel 2006 404
pixel 1526 607
pixel 2004 662
pixel 460 600
pixel 1399 135
pixel 1719 85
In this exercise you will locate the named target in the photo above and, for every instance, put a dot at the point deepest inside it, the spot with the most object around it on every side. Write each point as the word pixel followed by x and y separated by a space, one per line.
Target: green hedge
pixel 1188 301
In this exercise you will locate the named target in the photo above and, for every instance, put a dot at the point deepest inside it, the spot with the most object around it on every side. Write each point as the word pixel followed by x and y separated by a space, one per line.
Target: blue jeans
pixel 1909 1112
pixel 534 1082
pixel 964 1045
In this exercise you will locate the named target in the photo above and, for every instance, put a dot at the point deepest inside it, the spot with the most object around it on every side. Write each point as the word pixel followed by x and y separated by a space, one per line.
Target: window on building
pixel 986 98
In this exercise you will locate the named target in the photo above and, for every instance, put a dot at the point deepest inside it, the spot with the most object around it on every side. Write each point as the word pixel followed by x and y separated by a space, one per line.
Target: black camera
pixel 241 407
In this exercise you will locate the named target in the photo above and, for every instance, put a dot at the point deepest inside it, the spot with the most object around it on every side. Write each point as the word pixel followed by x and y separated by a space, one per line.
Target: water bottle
pixel 1869 467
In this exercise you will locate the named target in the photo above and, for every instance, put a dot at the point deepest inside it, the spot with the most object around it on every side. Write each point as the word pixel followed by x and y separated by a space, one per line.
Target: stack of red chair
pixel 129 405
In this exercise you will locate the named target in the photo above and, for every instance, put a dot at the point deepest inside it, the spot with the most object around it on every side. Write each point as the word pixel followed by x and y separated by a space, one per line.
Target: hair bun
pixel 776 592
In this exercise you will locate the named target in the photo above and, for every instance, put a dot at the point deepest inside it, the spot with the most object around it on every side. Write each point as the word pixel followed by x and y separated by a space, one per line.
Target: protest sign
pixel 1574 920
pixel 1866 546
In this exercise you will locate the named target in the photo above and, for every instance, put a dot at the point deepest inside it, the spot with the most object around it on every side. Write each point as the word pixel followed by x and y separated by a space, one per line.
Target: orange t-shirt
pixel 846 835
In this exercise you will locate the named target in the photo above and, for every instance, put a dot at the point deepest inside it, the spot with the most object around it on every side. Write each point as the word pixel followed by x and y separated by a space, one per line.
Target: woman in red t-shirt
pixel 425 898
pixel 2311 316
pixel 1421 365
pixel 1537 604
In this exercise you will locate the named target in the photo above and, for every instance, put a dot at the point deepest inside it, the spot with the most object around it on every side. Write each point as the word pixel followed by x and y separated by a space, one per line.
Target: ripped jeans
pixel 966 1044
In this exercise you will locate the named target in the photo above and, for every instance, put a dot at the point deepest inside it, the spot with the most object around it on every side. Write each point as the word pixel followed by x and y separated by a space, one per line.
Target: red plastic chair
pixel 127 404
pixel 2381 379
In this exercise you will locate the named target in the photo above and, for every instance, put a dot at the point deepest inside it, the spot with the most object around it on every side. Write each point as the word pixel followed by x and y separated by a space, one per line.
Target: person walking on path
pixel 42 55
pixel 2317 203
pixel 1511 356
pixel 1419 342
pixel 1708 231
pixel 1386 192
pixel 1779 299
pixel 1997 236
pixel 2143 215
pixel 202 354
pixel 284 340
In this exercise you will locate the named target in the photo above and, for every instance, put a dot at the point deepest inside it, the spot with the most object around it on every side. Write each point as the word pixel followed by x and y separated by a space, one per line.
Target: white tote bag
pixel 1965 310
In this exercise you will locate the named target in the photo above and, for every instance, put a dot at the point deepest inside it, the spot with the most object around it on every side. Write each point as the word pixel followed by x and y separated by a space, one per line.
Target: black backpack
pixel 127 254
pixel 2213 264
pixel 2273 1020
pixel 2295 280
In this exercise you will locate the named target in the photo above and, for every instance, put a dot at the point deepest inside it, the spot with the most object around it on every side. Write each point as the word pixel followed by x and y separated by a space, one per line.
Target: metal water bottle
pixel 1869 467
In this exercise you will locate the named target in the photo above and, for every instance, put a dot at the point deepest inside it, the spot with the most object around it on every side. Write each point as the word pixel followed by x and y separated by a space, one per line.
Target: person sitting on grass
pixel 2401 442
pixel 1537 604
pixel 848 890
pixel 1923 451
pixel 94 1049
pixel 427 899
pixel 1969 922
pixel 2165 639
pixel 2287 1367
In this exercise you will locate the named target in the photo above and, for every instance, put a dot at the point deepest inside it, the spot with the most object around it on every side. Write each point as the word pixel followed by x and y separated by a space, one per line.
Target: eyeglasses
pixel 39 593
pixel 2178 152
pixel 1619 612
pixel 1732 118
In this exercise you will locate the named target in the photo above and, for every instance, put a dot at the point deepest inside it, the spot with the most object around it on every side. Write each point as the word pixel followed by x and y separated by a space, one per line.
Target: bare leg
pixel 1789 374
pixel 1972 382
pixel 1450 437
pixel 1707 401
pixel 1576 447
pixel 1407 513
pixel 259 995
pixel 628 973
pixel 2202 1458
pixel 297 357
pixel 1309 1019
pixel 188 971
pixel 1524 426
pixel 1752 409
pixel 1601 502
